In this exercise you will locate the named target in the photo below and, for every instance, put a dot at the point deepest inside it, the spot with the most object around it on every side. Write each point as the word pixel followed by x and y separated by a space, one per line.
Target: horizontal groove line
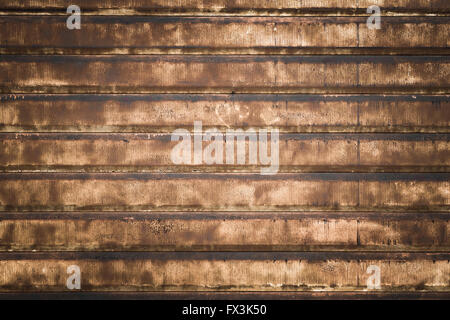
pixel 185 255
pixel 229 58
pixel 129 19
pixel 86 51
pixel 442 177
pixel 214 295
pixel 355 90
pixel 12 129
pixel 219 170
pixel 146 209
pixel 220 97
pixel 283 136
pixel 206 248
pixel 362 12
pixel 249 215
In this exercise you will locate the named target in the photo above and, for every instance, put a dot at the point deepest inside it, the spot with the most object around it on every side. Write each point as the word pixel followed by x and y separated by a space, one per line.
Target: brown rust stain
pixel 207 275
pixel 218 192
pixel 225 234
pixel 226 231
pixel 131 152
pixel 215 74
pixel 8 235
pixel 249 7
pixel 165 113
pixel 165 34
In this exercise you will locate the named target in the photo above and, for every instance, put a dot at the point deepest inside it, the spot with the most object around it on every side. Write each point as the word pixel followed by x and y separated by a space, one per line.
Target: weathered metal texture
pixel 224 74
pixel 215 271
pixel 227 7
pixel 225 35
pixel 152 153
pixel 234 295
pixel 223 295
pixel 225 231
pixel 86 178
pixel 165 113
pixel 230 192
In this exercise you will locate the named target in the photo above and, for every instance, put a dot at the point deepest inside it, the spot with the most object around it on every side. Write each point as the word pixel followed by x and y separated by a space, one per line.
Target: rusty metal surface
pixel 225 231
pixel 230 7
pixel 206 35
pixel 152 153
pixel 224 74
pixel 230 192
pixel 221 295
pixel 167 112
pixel 87 179
pixel 216 271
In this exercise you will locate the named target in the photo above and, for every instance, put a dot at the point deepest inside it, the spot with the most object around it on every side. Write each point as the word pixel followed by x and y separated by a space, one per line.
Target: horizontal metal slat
pixel 225 231
pixel 225 74
pixel 230 35
pixel 258 271
pixel 53 152
pixel 224 192
pixel 229 7
pixel 165 113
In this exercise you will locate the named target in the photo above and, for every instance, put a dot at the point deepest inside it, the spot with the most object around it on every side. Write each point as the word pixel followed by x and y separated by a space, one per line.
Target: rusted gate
pixel 360 117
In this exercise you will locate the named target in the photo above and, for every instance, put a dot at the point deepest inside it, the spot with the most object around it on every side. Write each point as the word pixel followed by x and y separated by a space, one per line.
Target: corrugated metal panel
pixel 87 178
pixel 229 7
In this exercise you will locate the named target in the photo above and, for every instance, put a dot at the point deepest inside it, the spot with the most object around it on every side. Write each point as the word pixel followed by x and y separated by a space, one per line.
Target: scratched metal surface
pixel 87 179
